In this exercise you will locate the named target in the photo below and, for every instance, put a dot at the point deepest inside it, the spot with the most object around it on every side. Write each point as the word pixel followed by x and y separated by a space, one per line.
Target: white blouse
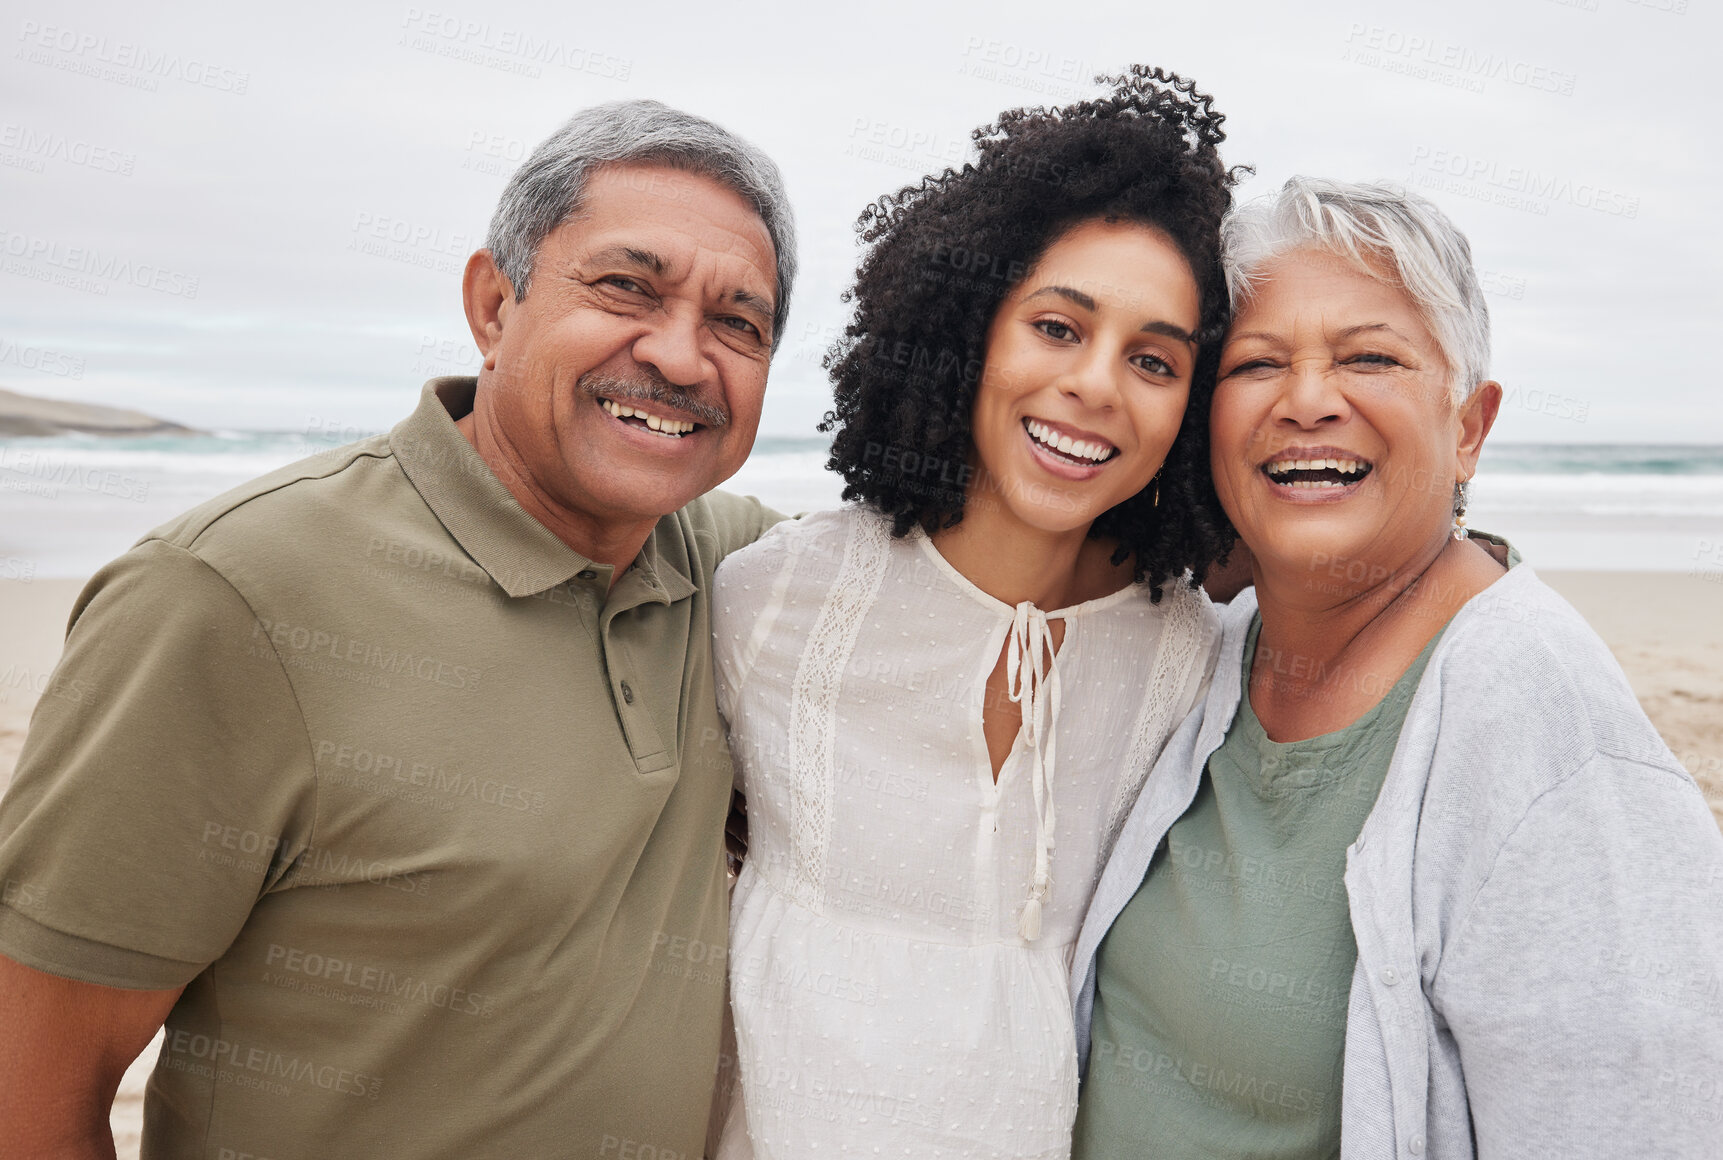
pixel 902 931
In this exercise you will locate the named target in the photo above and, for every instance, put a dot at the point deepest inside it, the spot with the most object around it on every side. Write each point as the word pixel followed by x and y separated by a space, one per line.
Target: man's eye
pixel 740 325
pixel 628 285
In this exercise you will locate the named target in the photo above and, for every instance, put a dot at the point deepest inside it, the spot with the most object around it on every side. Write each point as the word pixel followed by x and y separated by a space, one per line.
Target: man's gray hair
pixel 549 188
pixel 1373 225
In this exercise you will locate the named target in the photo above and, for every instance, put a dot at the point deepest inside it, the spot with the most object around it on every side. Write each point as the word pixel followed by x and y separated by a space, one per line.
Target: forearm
pixel 51 1126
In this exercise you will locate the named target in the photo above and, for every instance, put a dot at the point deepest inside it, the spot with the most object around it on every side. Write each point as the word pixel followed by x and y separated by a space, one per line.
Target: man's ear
pixel 1477 416
pixel 488 297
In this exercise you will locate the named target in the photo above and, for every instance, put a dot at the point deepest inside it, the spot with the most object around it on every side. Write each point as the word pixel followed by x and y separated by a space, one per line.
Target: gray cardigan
pixel 1537 896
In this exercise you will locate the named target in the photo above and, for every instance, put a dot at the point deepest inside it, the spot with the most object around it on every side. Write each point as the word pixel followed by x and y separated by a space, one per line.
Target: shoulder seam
pixel 204 527
pixel 298 708
pixel 1560 783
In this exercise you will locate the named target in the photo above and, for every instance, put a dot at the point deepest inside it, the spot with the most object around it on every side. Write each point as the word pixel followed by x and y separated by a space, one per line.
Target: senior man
pixel 399 786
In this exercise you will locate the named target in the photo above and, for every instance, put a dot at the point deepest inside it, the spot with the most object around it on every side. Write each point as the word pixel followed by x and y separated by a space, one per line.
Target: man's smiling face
pixel 628 380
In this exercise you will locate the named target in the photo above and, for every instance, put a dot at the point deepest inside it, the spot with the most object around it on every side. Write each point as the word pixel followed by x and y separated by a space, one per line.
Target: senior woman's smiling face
pixel 1333 437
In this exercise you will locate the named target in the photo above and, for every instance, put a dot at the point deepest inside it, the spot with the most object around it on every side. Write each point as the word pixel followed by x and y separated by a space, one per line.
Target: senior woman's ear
pixel 1477 416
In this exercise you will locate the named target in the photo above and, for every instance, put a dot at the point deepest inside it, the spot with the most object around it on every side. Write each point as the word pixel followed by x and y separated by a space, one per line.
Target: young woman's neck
pixel 1013 562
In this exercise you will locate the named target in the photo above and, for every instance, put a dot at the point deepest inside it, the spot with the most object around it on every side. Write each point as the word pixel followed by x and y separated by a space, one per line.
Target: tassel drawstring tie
pixel 1036 688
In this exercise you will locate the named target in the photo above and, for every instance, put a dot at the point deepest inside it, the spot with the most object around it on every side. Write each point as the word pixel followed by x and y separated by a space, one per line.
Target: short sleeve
pixel 165 785
pixel 738 519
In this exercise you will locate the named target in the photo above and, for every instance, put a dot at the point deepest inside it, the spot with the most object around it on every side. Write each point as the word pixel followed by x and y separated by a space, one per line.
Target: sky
pixel 255 216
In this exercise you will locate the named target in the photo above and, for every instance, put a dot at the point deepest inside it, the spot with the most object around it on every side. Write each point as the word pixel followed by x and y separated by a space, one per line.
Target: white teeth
pixel 1065 445
pixel 673 428
pixel 1344 466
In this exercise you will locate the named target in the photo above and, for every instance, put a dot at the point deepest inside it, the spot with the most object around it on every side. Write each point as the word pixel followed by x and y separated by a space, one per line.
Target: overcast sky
pixel 255 215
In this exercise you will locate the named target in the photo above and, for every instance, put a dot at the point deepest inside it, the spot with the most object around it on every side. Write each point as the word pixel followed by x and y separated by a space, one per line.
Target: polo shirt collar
pixel 522 555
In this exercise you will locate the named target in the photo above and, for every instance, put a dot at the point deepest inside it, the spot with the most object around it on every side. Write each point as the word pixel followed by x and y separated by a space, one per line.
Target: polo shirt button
pixel 1389 975
pixel 627 693
pixel 586 574
pixel 1417 1145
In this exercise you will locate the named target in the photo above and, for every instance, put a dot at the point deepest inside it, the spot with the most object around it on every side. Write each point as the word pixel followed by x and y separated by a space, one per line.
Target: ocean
pixel 69 504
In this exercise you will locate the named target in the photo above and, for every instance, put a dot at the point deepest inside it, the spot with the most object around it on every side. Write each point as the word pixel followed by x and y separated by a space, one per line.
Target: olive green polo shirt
pixel 425 816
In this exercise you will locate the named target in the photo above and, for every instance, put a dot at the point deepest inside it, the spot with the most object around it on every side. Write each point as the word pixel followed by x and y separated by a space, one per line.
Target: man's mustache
pixel 651 387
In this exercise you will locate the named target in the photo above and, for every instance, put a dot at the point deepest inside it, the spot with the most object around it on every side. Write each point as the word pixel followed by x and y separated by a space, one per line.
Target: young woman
pixel 935 695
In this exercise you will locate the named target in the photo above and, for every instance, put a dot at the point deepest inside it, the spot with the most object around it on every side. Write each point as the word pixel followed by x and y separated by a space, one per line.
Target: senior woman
pixel 1418 878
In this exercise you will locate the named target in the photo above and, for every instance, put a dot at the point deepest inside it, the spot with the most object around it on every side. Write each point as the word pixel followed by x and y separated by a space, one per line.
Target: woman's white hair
pixel 1380 228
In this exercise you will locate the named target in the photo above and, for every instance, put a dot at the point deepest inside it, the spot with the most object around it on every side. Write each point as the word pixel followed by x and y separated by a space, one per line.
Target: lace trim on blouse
pixel 1179 650
pixel 814 702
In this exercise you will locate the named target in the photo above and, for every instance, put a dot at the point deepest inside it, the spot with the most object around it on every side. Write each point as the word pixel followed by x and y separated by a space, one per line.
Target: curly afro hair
pixel 945 253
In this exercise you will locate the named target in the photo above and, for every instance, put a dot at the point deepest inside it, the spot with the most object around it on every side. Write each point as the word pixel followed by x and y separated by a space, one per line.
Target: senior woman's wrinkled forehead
pixel 1379 228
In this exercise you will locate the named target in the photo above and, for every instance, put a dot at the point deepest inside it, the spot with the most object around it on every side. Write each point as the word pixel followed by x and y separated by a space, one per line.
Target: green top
pixel 426 818
pixel 1221 990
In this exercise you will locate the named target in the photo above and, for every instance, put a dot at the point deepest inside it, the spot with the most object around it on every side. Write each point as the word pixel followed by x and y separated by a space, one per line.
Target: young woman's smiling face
pixel 1087 371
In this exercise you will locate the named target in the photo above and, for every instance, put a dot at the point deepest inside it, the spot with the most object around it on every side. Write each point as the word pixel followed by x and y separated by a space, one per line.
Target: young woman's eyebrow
pixel 1088 303
pixel 1170 331
pixel 1077 296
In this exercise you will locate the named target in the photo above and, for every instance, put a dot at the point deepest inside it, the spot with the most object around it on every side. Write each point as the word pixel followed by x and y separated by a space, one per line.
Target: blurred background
pixel 251 221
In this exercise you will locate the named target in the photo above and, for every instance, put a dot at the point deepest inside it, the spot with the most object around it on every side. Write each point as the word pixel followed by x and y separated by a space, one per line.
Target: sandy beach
pixel 1666 630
